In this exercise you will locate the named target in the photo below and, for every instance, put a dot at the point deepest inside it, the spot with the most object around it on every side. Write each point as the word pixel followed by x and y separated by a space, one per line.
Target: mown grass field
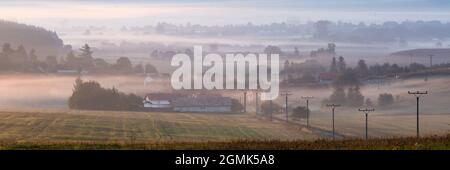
pixel 71 129
pixel 97 126
pixel 382 123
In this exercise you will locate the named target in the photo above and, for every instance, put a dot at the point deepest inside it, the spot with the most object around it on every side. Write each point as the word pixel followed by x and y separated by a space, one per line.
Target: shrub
pixel 385 99
pixel 236 106
pixel 265 107
pixel 91 96
pixel 300 112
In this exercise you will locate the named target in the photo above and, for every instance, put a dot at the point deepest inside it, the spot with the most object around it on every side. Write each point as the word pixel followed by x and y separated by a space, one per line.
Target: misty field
pixel 58 124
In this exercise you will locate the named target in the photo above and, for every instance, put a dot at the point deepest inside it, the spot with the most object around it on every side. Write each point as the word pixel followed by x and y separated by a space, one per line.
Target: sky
pixel 115 13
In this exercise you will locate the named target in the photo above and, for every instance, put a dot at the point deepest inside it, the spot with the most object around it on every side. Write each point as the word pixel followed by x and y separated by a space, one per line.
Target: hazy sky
pixel 56 13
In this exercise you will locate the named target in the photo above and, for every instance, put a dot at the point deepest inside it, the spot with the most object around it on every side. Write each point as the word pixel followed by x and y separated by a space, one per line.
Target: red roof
pixel 327 76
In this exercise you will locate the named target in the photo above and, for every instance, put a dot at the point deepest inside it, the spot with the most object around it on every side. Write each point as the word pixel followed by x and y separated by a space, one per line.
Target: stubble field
pixel 98 126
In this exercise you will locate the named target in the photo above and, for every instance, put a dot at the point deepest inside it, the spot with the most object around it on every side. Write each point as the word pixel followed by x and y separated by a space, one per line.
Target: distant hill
pixel 45 42
pixel 422 55
pixel 437 52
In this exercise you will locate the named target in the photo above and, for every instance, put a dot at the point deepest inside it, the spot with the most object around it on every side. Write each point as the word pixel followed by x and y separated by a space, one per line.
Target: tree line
pixel 42 40
pixel 304 73
pixel 350 78
pixel 90 95
pixel 389 31
pixel 21 60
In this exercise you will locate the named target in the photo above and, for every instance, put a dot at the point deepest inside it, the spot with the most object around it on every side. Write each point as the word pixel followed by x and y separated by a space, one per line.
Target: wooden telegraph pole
pixel 366 112
pixel 307 98
pixel 286 94
pixel 333 106
pixel 417 94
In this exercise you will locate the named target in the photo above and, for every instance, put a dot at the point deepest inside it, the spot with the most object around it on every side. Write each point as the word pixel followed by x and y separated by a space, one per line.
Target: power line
pixel 307 98
pixel 417 94
pixel 333 106
pixel 366 112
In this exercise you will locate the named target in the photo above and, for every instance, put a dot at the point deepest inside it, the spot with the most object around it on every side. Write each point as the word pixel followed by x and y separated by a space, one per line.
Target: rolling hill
pixel 45 42
pixel 438 52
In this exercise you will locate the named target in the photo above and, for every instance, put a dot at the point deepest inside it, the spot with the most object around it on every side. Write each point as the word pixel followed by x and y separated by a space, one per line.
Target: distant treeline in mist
pixel 43 41
pixel 346 81
pixel 389 31
pixel 20 60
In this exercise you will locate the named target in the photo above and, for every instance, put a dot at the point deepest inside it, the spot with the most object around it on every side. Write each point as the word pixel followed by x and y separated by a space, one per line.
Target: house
pixel 327 78
pixel 160 101
pixel 187 102
pixel 217 104
pixel 68 71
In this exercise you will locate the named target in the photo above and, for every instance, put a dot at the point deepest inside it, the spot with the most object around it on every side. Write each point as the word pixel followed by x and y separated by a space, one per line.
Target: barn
pixel 160 101
pixel 217 104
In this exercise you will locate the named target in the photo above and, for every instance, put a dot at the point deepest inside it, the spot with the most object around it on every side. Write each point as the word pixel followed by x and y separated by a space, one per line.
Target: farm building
pixel 327 78
pixel 216 104
pixel 160 101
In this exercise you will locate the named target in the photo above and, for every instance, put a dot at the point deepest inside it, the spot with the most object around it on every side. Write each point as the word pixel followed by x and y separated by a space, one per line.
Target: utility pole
pixel 256 102
pixel 307 98
pixel 333 106
pixel 417 94
pixel 245 101
pixel 366 112
pixel 271 109
pixel 286 94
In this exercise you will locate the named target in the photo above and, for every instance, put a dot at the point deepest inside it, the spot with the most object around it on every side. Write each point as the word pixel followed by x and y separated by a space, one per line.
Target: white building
pixel 159 101
pixel 214 104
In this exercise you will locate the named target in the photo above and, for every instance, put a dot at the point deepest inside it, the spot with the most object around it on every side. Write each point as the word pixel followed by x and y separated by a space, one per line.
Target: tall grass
pixel 400 143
